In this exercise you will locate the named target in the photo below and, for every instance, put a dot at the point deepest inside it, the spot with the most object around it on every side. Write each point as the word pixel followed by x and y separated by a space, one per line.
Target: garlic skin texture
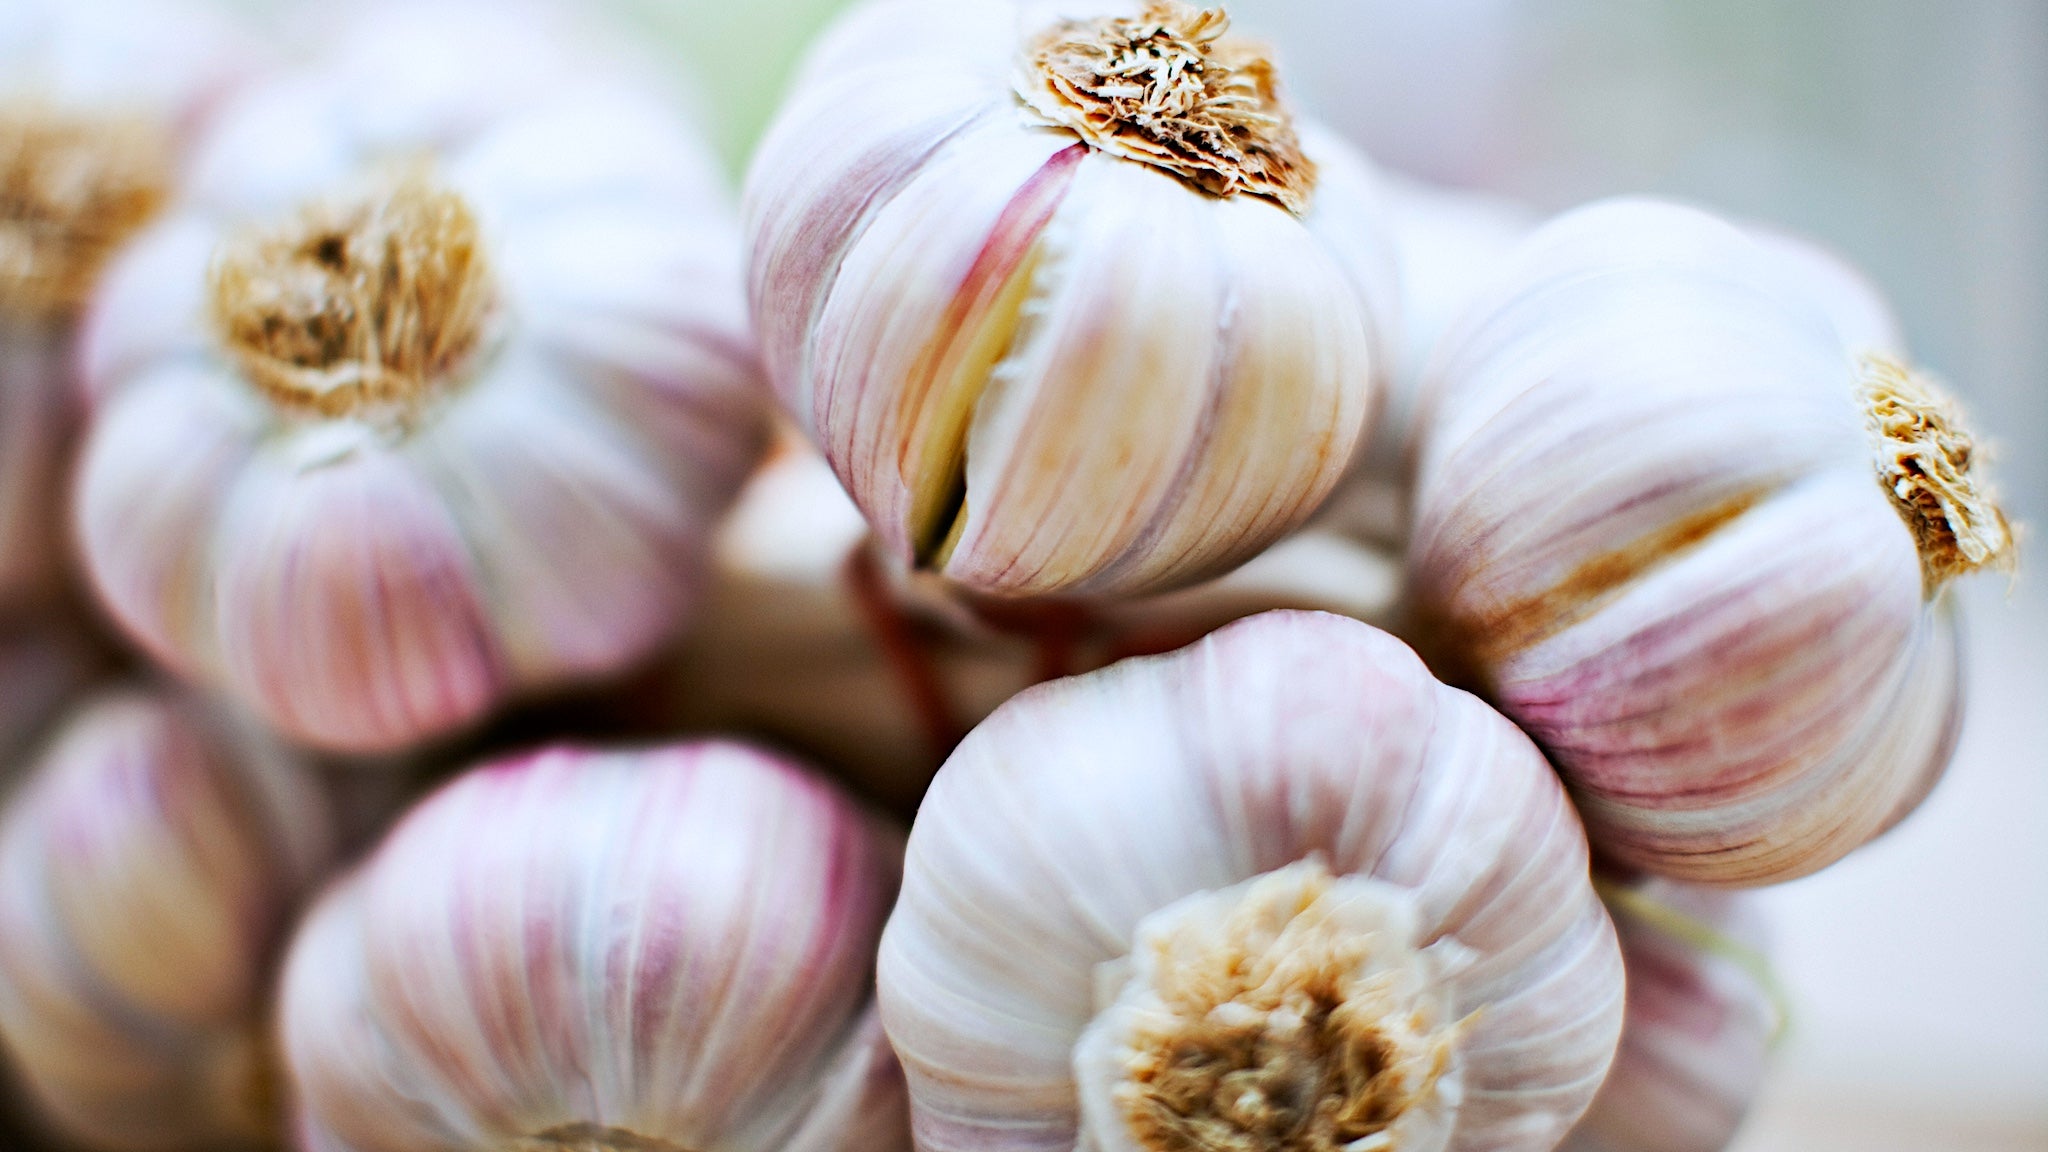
pixel 431 394
pixel 1039 361
pixel 1686 527
pixel 150 866
pixel 812 640
pixel 603 952
pixel 96 103
pixel 1699 1027
pixel 1278 890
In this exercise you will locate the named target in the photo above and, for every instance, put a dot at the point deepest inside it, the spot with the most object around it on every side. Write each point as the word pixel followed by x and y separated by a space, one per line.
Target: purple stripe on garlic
pixel 1278 890
pixel 1050 339
pixel 1682 523
pixel 432 393
pixel 604 952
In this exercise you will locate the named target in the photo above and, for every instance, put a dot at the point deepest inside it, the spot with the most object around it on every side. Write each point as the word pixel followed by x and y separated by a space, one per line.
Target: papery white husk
pixel 1085 806
pixel 546 519
pixel 1181 381
pixel 790 646
pixel 662 950
pixel 161 61
pixel 149 870
pixel 1700 1023
pixel 1649 523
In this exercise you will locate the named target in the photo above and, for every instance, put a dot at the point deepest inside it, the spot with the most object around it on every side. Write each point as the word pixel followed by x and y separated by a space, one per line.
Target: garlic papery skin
pixel 1692 538
pixel 604 952
pixel 814 641
pixel 431 395
pixel 1702 1017
pixel 1050 338
pixel 150 867
pixel 96 103
pixel 1277 890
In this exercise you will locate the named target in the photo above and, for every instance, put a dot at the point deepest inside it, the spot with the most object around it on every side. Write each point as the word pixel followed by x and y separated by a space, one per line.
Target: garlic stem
pixel 1170 89
pixel 1924 458
pixel 1293 1010
pixel 368 303
pixel 73 187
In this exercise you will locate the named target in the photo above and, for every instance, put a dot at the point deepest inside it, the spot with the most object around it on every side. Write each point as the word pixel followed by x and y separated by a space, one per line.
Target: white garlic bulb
pixel 149 869
pixel 812 639
pixel 1702 1014
pixel 604 952
pixel 96 101
pixel 1071 305
pixel 1690 532
pixel 1280 890
pixel 432 393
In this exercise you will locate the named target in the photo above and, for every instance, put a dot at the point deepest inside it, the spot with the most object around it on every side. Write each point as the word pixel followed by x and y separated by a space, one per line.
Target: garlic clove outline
pixel 667 948
pixel 150 866
pixel 1039 357
pixel 1294 796
pixel 1719 626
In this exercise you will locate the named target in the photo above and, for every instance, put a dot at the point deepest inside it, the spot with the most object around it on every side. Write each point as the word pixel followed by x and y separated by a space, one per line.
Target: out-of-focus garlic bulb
pixel 95 102
pixel 1447 243
pixel 604 952
pixel 1071 305
pixel 1691 534
pixel 1702 1014
pixel 149 870
pixel 811 638
pixel 433 393
pixel 1281 890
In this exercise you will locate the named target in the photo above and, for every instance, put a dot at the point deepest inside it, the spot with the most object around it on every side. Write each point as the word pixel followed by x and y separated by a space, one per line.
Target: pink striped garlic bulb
pixel 431 394
pixel 1686 515
pixel 603 952
pixel 1702 1015
pixel 1280 890
pixel 1070 304
pixel 150 868
pixel 97 102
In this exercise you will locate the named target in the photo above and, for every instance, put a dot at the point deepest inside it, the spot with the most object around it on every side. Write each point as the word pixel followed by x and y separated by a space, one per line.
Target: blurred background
pixel 1913 136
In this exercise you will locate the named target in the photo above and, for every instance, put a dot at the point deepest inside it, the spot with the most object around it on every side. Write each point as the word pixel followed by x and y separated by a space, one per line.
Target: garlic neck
pixel 361 306
pixel 1925 459
pixel 592 1138
pixel 73 188
pixel 1294 1011
pixel 1171 89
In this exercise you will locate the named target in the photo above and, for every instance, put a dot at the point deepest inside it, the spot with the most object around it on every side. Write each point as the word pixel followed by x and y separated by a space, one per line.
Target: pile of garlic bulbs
pixel 1220 650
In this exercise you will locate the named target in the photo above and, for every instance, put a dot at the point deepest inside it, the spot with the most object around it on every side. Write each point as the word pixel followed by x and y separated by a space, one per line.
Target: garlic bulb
pixel 1447 242
pixel 95 100
pixel 811 639
pixel 430 396
pixel 606 952
pixel 1280 890
pixel 1071 305
pixel 1692 537
pixel 149 869
pixel 1702 1014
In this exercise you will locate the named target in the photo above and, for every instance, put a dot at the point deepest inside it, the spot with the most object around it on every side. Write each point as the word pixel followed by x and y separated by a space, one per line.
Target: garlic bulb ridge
pixel 1689 529
pixel 1278 890
pixel 149 869
pixel 1063 313
pixel 431 394
pixel 603 952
